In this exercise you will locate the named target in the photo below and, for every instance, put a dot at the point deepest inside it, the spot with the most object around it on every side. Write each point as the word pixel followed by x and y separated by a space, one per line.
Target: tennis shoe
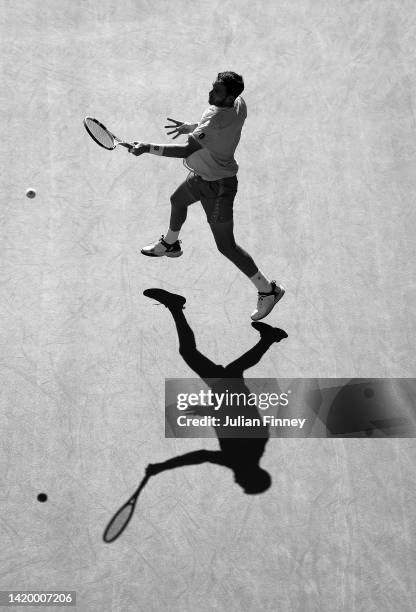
pixel 267 300
pixel 161 248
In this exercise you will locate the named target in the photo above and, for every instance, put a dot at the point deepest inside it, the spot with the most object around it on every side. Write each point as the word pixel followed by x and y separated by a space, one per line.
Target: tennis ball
pixel 42 497
pixel 30 193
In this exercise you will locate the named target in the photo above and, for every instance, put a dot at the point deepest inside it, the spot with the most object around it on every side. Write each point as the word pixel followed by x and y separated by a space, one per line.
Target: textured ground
pixel 326 205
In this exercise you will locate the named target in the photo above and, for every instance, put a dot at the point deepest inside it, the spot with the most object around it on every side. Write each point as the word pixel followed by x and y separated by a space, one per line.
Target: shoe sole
pixel 278 298
pixel 163 254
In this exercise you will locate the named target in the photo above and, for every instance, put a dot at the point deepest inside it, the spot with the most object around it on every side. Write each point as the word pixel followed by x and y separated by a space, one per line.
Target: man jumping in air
pixel 212 180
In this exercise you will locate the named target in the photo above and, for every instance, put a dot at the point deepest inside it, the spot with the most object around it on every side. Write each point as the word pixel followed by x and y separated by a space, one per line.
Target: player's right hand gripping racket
pixel 102 136
pixel 122 517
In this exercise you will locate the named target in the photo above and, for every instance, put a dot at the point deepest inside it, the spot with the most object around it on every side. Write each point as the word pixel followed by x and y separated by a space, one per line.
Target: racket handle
pixel 141 486
pixel 126 144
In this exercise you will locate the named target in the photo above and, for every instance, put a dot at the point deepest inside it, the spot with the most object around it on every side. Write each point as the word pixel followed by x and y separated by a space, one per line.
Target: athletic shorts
pixel 216 197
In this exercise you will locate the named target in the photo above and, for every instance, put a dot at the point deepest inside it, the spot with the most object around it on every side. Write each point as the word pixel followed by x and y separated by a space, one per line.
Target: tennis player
pixel 212 180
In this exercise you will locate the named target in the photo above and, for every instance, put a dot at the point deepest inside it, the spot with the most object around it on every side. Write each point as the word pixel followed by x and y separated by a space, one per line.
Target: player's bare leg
pixel 169 245
pixel 269 292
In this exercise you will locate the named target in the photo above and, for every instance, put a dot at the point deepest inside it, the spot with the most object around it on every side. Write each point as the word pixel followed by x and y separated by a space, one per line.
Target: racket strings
pixel 100 133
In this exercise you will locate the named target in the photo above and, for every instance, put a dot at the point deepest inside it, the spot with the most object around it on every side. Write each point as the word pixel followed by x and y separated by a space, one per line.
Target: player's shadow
pixel 240 454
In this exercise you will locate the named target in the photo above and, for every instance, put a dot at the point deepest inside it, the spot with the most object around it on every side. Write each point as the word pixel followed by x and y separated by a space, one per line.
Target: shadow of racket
pixel 123 516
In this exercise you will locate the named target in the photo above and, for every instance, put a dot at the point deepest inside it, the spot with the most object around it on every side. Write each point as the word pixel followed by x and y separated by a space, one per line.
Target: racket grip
pixel 126 144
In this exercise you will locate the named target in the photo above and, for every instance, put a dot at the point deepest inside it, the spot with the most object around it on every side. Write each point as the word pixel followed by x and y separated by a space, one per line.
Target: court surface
pixel 325 205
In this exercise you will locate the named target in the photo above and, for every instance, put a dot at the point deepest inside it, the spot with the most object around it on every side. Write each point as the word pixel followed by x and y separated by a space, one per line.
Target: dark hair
pixel 233 82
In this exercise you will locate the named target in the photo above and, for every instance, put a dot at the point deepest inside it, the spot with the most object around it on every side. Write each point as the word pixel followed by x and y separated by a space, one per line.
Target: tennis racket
pixel 102 136
pixel 122 517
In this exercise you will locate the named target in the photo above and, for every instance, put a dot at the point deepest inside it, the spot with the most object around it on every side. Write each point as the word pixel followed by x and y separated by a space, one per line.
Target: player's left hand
pixel 138 148
pixel 178 128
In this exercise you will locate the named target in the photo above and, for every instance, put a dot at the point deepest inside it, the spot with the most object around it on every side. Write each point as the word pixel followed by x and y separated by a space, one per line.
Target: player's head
pixel 254 480
pixel 226 88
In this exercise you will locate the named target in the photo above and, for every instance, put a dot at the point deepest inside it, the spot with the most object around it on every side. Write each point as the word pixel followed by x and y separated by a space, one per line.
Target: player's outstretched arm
pixel 192 458
pixel 166 150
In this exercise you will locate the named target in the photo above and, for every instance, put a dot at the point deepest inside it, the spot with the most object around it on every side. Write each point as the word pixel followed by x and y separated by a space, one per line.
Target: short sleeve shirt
pixel 218 132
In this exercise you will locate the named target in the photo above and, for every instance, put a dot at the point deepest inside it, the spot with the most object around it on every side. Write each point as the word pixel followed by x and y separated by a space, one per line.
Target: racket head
pixel 123 516
pixel 100 134
pixel 119 522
